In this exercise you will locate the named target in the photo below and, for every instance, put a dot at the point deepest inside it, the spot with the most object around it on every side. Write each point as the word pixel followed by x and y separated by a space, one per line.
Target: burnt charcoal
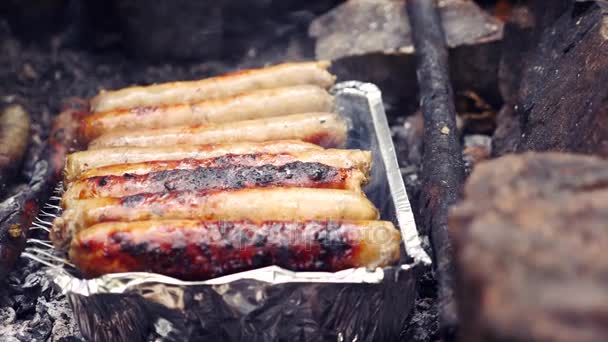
pixel 408 136
pixel 507 133
pixel 530 241
pixel 48 16
pixel 273 31
pixel 31 310
pixel 553 54
pixel 561 106
pixel 181 29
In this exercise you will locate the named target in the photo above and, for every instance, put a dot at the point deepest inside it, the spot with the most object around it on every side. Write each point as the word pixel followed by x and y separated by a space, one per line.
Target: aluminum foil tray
pixel 272 304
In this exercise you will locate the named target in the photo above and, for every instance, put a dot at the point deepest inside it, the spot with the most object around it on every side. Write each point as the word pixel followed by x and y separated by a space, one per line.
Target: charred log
pixel 555 103
pixel 442 160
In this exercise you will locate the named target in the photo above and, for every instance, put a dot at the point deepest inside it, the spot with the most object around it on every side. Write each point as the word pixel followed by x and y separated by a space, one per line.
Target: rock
pixel 360 27
pixel 370 40
pixel 530 240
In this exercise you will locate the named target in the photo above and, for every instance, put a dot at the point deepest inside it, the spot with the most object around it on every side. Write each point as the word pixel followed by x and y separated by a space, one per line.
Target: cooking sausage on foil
pixel 200 179
pixel 296 174
pixel 85 160
pixel 282 75
pixel 14 135
pixel 196 250
pixel 251 105
pixel 345 159
pixel 253 204
pixel 324 129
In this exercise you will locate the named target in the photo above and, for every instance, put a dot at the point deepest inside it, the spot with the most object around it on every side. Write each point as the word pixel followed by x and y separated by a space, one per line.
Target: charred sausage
pixel 197 250
pixel 85 160
pixel 296 174
pixel 346 159
pixel 282 75
pixel 254 204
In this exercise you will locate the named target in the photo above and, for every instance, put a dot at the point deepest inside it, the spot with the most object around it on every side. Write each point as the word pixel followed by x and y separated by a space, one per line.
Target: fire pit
pixel 494 77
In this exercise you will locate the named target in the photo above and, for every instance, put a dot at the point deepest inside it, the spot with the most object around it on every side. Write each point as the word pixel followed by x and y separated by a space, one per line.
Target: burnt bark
pixel 563 102
pixel 553 72
pixel 442 163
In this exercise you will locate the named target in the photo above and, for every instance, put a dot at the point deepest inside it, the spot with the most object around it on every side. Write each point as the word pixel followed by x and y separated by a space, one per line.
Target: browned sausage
pixel 282 75
pixel 85 160
pixel 197 250
pixel 324 129
pixel 251 105
pixel 253 204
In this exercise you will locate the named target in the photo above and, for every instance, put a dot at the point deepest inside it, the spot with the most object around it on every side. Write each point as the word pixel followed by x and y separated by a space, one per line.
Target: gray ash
pixel 32 310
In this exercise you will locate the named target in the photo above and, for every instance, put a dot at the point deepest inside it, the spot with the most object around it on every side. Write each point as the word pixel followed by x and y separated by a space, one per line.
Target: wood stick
pixel 442 166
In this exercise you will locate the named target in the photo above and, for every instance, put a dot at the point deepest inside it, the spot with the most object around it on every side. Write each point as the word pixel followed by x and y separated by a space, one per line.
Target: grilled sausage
pixel 253 204
pixel 296 174
pixel 324 129
pixel 198 250
pixel 282 75
pixel 252 105
pixel 346 159
pixel 85 160
pixel 14 134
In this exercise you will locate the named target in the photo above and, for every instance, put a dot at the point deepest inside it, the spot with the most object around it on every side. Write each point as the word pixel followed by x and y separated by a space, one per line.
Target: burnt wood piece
pixel 554 67
pixel 19 210
pixel 522 33
pixel 442 165
pixel 563 102
pixel 530 240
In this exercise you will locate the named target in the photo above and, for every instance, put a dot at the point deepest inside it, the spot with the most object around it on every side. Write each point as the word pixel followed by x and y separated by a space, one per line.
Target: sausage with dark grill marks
pixel 80 162
pixel 296 174
pixel 345 159
pixel 198 250
pixel 251 105
pixel 252 204
pixel 277 76
pixel 324 129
